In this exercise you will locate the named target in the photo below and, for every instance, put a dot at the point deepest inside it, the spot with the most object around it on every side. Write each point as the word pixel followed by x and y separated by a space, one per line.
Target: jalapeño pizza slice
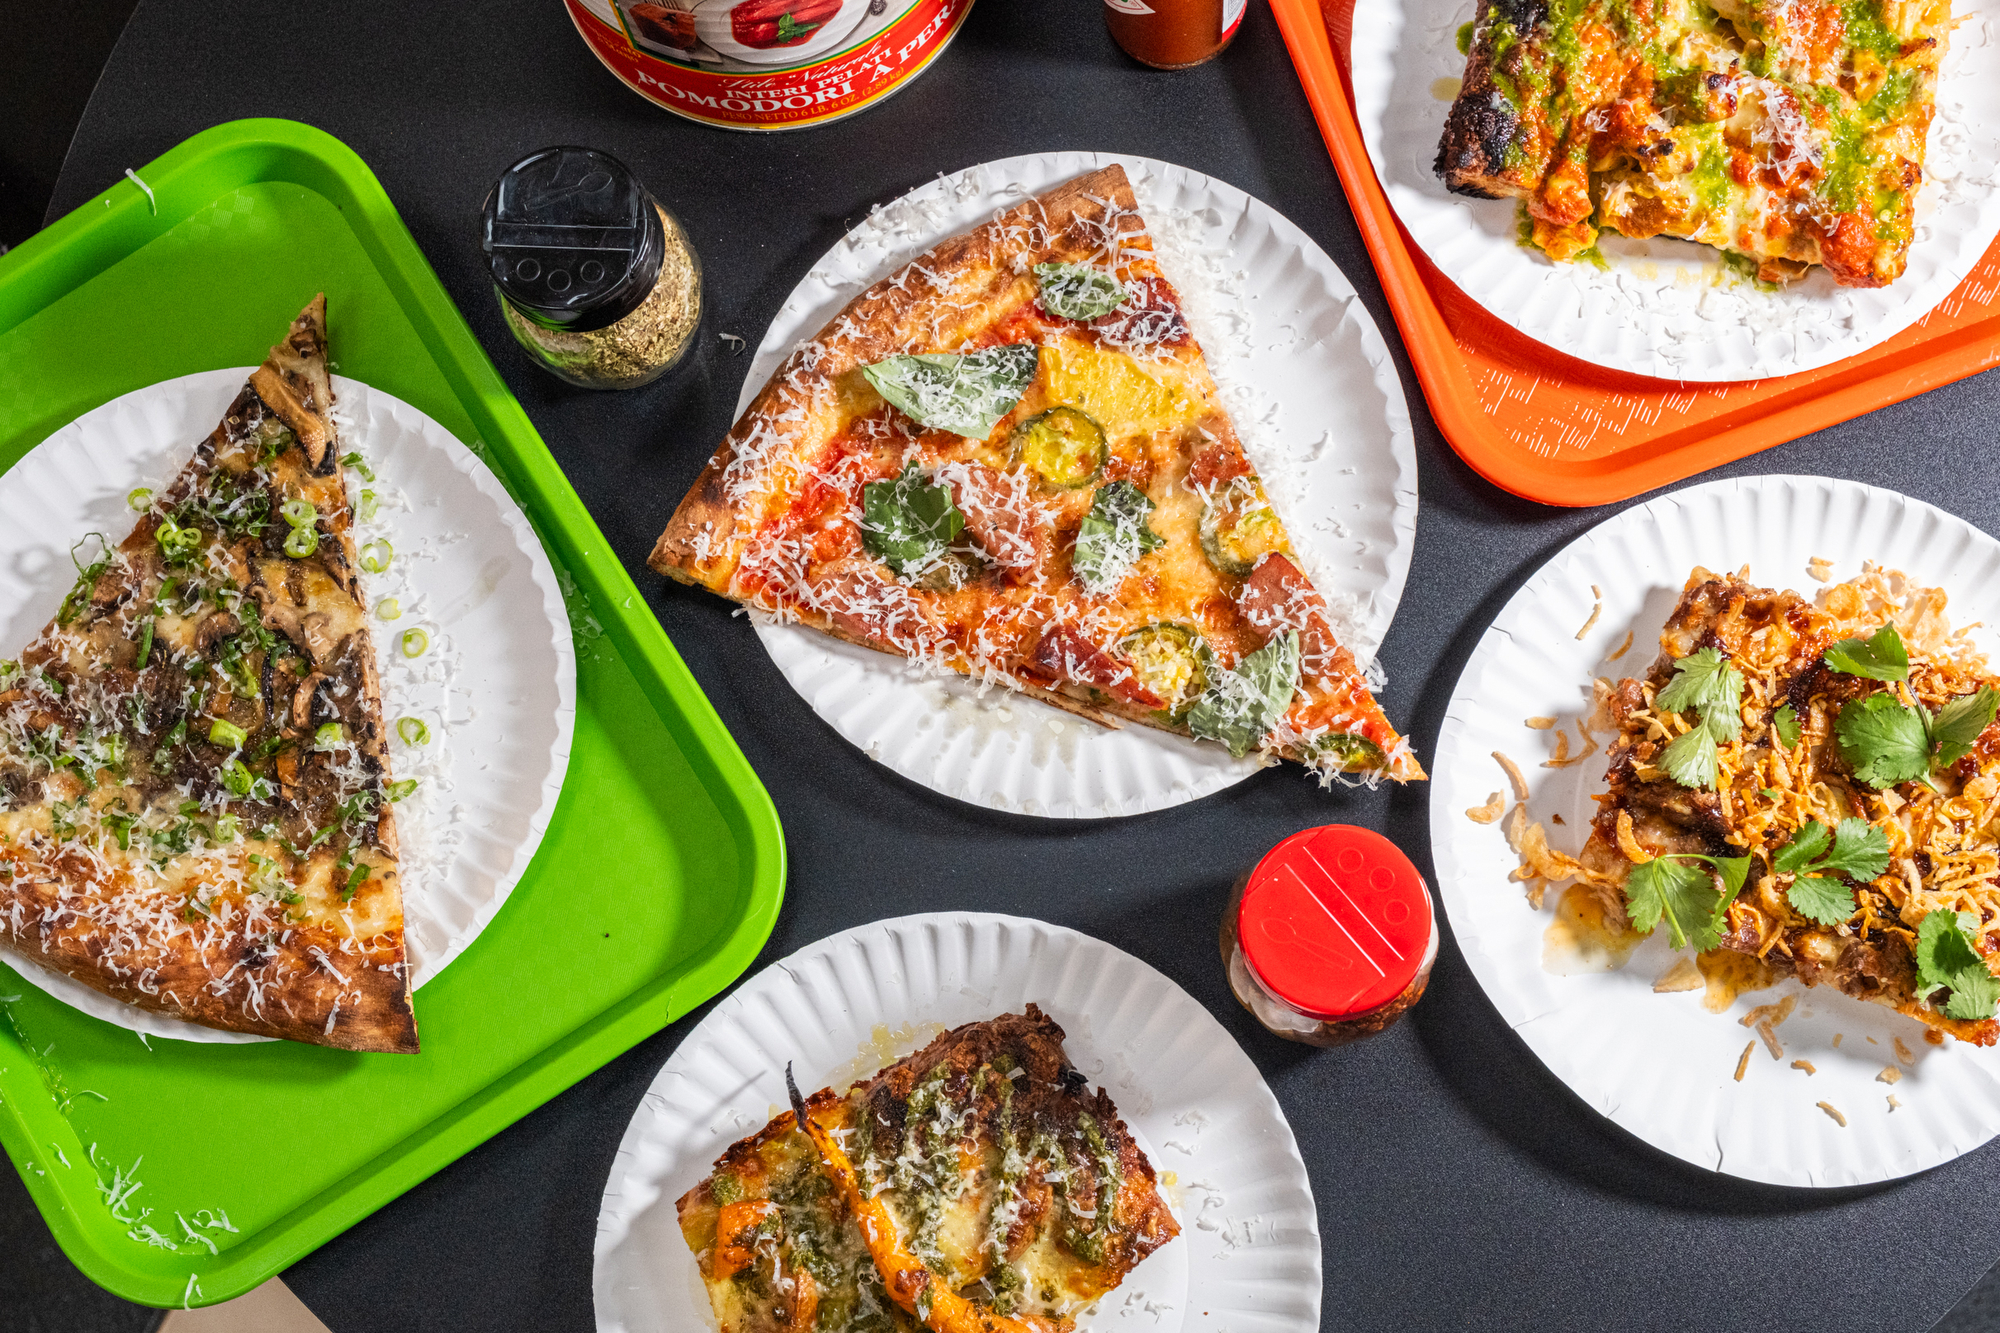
pixel 975 1187
pixel 195 796
pixel 1009 460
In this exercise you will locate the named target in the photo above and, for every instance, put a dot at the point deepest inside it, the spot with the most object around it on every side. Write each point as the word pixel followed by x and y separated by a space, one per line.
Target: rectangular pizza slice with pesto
pixel 1009 460
pixel 1792 132
pixel 1815 786
pixel 974 1187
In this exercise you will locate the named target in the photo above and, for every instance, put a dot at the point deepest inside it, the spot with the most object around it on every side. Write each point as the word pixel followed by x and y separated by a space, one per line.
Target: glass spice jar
pixel 1173 34
pixel 596 280
pixel 1330 937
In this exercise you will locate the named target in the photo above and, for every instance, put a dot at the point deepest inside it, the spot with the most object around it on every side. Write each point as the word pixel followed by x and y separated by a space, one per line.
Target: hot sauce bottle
pixel 1173 34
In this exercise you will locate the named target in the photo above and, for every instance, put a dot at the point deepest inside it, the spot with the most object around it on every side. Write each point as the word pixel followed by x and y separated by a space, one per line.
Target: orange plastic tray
pixel 1564 432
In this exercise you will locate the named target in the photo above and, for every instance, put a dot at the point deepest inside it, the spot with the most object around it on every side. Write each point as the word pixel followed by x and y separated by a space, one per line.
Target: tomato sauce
pixel 1173 34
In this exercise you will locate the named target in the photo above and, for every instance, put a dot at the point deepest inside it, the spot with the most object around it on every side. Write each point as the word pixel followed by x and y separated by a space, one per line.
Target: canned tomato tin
pixel 766 64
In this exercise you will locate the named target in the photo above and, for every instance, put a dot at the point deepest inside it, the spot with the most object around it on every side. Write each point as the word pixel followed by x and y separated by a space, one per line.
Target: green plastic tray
pixel 664 865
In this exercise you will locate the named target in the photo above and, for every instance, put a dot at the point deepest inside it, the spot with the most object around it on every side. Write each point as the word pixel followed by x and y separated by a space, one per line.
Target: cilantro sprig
pixel 1880 656
pixel 1706 685
pixel 1857 849
pixel 1886 741
pixel 1947 960
pixel 1786 723
pixel 1692 900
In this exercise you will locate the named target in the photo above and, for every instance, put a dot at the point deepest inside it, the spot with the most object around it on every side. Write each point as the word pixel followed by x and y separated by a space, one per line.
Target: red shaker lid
pixel 1335 921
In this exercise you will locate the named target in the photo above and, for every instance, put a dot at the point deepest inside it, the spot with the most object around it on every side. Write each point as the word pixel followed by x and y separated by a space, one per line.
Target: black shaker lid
pixel 573 239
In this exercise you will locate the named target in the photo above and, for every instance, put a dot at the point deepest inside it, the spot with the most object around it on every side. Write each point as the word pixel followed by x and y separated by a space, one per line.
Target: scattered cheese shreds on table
pixel 1806 1065
pixel 1834 1113
pixel 1743 1061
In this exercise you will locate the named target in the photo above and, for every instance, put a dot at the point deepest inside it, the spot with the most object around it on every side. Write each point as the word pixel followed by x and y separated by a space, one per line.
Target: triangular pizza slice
pixel 1009 460
pixel 195 796
pixel 976 1186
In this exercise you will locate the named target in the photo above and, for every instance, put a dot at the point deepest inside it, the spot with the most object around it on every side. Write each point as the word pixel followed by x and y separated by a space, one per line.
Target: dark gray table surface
pixel 1459 1183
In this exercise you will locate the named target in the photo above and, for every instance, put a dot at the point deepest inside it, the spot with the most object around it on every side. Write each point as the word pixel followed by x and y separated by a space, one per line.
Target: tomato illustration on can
pixel 763 25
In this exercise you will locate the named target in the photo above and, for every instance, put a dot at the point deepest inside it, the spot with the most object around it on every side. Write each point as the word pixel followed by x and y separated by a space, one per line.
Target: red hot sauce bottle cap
pixel 1336 922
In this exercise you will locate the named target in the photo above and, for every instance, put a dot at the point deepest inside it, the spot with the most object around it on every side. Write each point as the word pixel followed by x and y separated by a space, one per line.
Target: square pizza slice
pixel 1815 787
pixel 1792 132
pixel 974 1187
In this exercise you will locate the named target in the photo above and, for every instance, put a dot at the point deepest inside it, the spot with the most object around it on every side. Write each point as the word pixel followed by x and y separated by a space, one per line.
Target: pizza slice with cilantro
pixel 195 795
pixel 1815 786
pixel 1009 460
pixel 974 1187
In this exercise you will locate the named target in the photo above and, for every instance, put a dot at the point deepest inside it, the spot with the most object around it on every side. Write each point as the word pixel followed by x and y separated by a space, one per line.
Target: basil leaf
pixel 1826 901
pixel 960 392
pixel 1881 656
pixel 1959 724
pixel 1078 291
pixel 1685 896
pixel 1786 723
pixel 908 524
pixel 1243 705
pixel 1113 536
pixel 1691 759
pixel 1883 741
pixel 1804 848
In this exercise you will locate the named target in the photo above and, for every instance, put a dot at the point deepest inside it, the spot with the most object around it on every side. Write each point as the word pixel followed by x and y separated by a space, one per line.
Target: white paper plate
pixel 496 686
pixel 1314 394
pixel 1662 1066
pixel 1247 1258
pixel 1668 308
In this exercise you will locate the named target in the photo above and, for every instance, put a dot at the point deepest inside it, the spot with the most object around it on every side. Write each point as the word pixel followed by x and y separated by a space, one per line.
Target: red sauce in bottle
pixel 764 25
pixel 1173 34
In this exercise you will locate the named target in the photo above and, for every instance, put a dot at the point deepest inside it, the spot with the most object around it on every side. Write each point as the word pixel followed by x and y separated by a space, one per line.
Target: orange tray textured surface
pixel 1561 431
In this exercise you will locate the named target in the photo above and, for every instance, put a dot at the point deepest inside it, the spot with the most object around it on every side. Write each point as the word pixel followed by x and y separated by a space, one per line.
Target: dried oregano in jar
pixel 596 280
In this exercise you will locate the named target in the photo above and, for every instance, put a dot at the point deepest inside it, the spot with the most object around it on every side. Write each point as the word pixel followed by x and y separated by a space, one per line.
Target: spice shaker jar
pixel 1330 937
pixel 596 280
pixel 1173 34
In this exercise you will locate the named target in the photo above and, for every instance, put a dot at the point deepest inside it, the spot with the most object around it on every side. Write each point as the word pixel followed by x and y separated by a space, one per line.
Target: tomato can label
pixel 766 64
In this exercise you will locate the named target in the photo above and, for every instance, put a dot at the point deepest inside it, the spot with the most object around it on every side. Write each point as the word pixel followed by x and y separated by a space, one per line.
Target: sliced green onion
pixel 301 542
pixel 354 878
pixel 414 642
pixel 227 827
pixel 370 505
pixel 237 777
pixel 353 460
pixel 298 513
pixel 177 542
pixel 145 645
pixel 396 791
pixel 227 734
pixel 376 555
pixel 140 499
pixel 329 736
pixel 388 608
pixel 413 731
